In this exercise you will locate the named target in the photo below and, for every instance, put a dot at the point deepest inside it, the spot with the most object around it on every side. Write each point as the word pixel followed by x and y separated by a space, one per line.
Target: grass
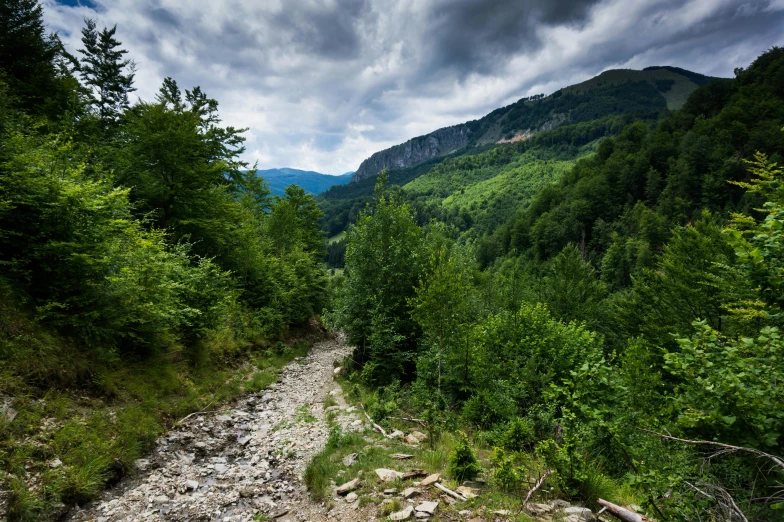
pixel 303 415
pixel 98 426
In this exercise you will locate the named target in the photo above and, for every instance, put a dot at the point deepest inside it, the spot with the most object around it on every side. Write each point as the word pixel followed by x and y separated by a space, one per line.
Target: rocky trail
pixel 244 462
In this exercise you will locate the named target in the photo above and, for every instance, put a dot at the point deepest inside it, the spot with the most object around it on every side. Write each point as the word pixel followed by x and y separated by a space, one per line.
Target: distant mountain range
pixel 617 91
pixel 312 182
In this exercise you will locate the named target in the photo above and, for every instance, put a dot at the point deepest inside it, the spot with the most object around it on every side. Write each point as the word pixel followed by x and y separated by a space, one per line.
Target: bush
pixel 516 435
pixel 462 462
pixel 488 408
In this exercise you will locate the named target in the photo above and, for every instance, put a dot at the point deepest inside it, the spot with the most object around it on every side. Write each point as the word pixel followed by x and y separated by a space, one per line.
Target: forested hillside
pixel 619 91
pixel 141 264
pixel 617 338
pixel 513 141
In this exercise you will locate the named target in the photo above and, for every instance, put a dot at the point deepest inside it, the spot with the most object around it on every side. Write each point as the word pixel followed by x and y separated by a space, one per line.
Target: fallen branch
pixel 725 447
pixel 375 426
pixel 627 515
pixel 449 492
pixel 411 419
pixel 536 486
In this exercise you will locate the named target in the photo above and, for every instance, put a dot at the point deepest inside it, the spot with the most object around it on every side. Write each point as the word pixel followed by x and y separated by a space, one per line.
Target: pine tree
pixel 27 54
pixel 105 72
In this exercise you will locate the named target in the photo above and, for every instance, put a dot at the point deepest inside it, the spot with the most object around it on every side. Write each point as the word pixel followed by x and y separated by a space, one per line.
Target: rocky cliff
pixel 438 143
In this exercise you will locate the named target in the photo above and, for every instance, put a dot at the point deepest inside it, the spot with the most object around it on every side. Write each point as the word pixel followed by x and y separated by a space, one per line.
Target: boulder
pixel 467 492
pixel 540 509
pixel 338 372
pixel 430 480
pixel 191 485
pixel 351 497
pixel 578 514
pixel 350 459
pixel 402 515
pixel 388 475
pixel 427 507
pixel 347 487
pixel 409 492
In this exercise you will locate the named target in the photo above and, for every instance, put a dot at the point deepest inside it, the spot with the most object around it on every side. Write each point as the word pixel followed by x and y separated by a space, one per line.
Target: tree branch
pixel 725 447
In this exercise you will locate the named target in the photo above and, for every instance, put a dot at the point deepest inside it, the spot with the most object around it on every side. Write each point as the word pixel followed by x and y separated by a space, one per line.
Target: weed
pixel 303 415
pixel 387 508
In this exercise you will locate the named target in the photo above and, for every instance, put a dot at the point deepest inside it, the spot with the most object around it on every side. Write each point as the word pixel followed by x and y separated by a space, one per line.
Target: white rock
pixel 540 509
pixel 581 513
pixel 427 507
pixel 402 515
pixel 467 492
pixel 431 479
pixel 388 475
pixel 191 485
pixel 349 459
pixel 56 463
pixel 409 492
pixel 347 487
pixel 351 497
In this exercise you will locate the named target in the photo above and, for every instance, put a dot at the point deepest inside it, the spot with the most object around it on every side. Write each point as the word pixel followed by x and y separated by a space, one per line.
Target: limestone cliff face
pixel 437 143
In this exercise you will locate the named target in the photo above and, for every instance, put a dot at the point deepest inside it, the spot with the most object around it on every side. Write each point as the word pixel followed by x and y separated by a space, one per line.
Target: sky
pixel 323 84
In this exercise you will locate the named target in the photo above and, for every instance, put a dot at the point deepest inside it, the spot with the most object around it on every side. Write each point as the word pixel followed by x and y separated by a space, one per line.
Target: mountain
pixel 617 91
pixel 312 182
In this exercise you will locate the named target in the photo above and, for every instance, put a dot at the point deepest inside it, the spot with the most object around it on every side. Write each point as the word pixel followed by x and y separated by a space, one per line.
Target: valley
pixel 566 309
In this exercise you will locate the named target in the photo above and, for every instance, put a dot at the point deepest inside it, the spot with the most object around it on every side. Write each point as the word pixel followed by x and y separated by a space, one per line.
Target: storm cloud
pixel 323 84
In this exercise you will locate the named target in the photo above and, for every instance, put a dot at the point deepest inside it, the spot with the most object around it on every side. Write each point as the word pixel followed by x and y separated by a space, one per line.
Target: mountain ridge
pixel 313 182
pixel 615 91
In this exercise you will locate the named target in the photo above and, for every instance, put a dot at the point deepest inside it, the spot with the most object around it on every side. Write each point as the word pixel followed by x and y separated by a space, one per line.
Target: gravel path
pixel 244 461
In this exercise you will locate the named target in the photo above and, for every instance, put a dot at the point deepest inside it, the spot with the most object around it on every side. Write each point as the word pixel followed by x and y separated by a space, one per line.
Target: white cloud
pixel 323 84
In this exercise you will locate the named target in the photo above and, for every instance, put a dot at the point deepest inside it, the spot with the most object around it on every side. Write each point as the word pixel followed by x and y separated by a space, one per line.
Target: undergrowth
pixel 507 476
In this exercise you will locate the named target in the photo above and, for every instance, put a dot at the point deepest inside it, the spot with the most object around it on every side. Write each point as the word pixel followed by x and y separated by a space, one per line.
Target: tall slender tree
pixel 105 72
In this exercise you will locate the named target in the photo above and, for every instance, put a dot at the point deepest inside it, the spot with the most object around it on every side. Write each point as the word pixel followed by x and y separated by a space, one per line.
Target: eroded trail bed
pixel 243 461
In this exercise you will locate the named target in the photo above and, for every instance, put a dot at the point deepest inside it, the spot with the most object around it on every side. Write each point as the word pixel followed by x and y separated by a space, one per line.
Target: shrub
pixel 516 434
pixel 462 462
pixel 488 408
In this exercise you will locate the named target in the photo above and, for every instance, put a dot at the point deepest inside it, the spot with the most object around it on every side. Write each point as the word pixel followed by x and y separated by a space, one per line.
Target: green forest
pixel 593 312
pixel 621 330
pixel 140 262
